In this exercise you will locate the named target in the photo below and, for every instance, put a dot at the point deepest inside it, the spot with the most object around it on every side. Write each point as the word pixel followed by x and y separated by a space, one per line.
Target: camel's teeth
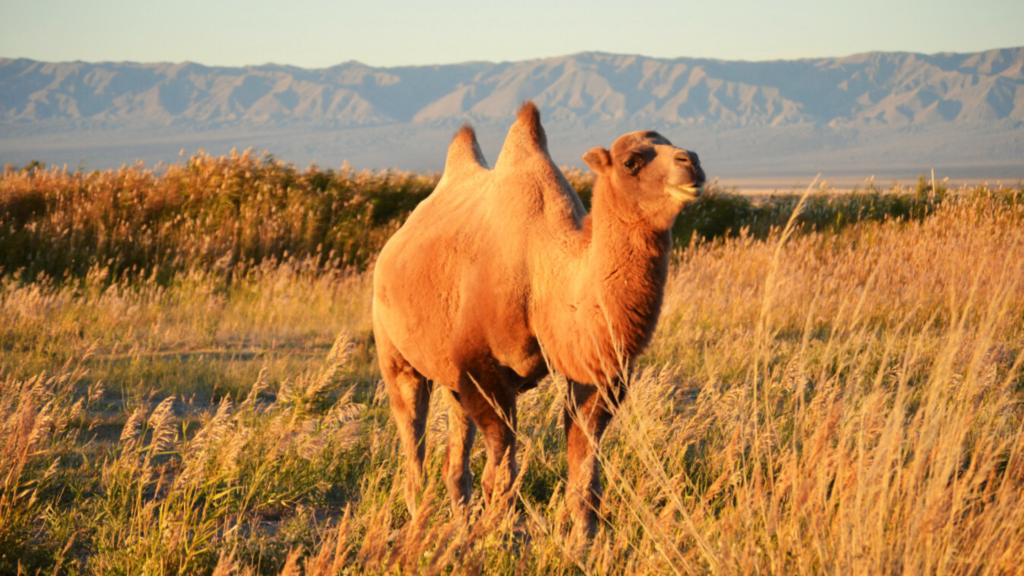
pixel 685 193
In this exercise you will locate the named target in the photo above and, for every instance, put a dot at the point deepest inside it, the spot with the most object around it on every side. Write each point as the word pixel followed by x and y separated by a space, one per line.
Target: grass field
pixel 187 385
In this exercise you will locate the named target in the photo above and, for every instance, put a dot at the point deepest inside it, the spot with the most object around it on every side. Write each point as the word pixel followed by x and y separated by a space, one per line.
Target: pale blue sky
pixel 318 33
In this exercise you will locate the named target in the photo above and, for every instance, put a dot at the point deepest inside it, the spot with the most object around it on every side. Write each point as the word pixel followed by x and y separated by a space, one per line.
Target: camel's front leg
pixel 587 414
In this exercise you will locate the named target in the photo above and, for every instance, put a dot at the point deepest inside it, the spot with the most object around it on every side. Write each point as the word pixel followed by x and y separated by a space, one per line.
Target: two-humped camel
pixel 500 273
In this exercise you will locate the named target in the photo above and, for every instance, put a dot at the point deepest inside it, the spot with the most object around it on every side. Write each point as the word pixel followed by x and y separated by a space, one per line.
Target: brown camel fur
pixel 501 273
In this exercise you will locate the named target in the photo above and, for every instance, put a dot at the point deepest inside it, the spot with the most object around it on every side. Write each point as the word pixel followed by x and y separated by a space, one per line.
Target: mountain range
pixel 879 112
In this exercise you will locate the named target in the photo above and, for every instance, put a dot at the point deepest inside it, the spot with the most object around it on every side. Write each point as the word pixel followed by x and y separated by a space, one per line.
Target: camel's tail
pixel 464 152
pixel 526 139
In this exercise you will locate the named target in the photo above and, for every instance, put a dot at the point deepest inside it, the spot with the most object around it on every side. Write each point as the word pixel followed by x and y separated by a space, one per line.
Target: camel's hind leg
pixel 493 408
pixel 461 435
pixel 409 394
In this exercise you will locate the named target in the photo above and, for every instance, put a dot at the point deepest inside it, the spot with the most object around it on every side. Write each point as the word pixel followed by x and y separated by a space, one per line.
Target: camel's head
pixel 646 173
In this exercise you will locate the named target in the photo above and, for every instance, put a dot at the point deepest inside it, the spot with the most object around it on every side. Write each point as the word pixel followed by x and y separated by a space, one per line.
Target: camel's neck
pixel 628 269
pixel 614 297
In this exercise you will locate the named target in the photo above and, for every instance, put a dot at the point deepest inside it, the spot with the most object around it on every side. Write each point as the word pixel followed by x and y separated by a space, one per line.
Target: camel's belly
pixel 519 361
pixel 429 339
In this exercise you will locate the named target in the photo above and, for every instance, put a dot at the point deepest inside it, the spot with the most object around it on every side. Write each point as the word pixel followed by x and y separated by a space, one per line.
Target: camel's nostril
pixel 682 158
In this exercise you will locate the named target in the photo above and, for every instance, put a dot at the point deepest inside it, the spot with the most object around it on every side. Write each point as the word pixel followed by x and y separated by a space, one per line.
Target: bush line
pixel 233 212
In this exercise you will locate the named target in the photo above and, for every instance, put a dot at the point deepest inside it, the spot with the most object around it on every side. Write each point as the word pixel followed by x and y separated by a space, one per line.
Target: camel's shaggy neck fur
pixel 605 301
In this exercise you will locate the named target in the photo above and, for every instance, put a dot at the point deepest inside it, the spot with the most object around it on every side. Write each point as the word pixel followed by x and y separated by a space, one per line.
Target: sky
pixel 321 33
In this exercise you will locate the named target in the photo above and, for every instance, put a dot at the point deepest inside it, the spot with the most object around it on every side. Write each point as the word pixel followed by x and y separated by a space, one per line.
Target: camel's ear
pixel 598 159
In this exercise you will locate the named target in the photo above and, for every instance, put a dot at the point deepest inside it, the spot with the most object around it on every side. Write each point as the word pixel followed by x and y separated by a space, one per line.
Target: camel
pixel 500 276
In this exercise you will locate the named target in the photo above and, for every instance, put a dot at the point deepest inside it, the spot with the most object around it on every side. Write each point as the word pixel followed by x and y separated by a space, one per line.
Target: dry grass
pixel 844 402
pixel 229 214
pixel 195 334
pixel 218 213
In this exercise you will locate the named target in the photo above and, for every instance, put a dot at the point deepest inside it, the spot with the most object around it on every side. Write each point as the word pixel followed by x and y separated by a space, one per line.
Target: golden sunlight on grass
pixel 846 401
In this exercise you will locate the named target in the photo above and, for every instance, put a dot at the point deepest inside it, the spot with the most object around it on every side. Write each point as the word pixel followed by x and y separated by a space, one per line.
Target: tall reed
pixel 206 212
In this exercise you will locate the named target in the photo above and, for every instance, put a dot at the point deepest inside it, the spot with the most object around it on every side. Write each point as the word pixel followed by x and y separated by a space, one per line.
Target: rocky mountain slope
pixel 809 104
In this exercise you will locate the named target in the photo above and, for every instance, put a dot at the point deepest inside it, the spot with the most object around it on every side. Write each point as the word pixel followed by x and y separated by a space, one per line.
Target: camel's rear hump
pixel 464 153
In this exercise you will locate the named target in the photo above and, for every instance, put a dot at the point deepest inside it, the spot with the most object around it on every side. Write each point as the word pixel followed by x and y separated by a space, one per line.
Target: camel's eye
pixel 632 164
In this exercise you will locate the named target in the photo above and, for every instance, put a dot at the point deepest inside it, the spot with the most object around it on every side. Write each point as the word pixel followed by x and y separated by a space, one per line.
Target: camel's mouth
pixel 684 192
